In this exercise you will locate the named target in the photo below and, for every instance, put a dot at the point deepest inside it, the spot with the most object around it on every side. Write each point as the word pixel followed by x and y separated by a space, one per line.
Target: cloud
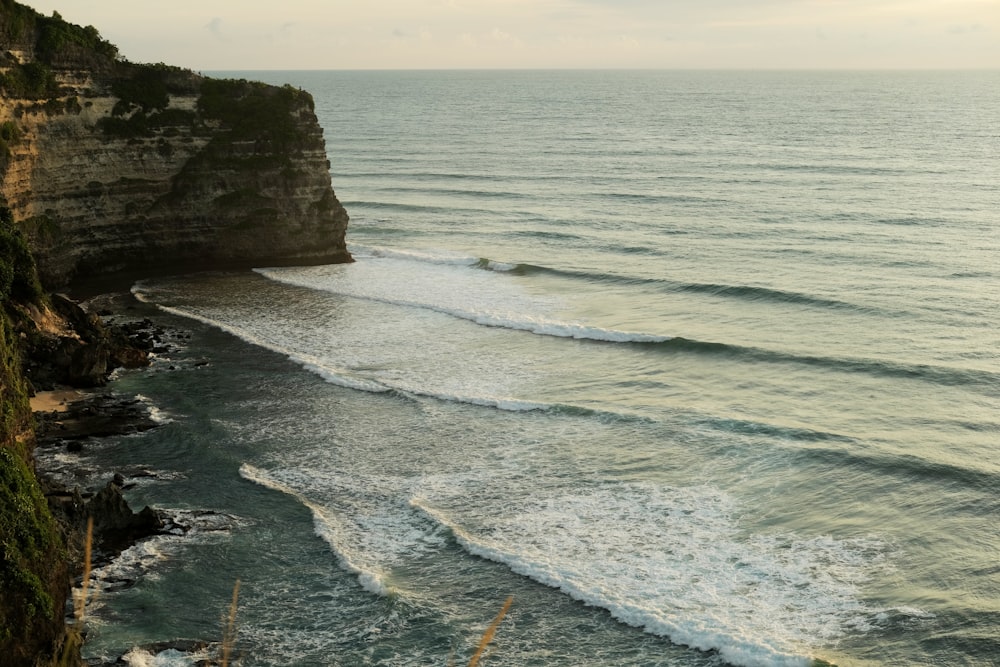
pixel 215 27
pixel 499 35
pixel 964 29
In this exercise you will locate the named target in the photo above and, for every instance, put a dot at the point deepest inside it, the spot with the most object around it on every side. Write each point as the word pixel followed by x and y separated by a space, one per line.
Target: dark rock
pixel 116 526
pixel 86 325
pixel 128 357
pixel 88 366
pixel 86 358
pixel 95 416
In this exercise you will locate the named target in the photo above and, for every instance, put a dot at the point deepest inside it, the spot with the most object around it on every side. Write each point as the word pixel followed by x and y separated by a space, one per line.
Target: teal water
pixel 701 367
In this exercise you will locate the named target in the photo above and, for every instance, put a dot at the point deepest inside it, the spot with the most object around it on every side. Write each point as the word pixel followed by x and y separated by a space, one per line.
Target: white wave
pixel 485 305
pixel 327 527
pixel 138 657
pixel 443 257
pixel 544 327
pixel 507 404
pixel 308 362
pixel 339 378
pixel 154 412
pixel 349 380
pixel 501 267
pixel 674 563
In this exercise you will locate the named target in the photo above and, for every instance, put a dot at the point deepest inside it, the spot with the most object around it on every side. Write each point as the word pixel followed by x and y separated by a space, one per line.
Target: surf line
pixel 735 650
pixel 326 528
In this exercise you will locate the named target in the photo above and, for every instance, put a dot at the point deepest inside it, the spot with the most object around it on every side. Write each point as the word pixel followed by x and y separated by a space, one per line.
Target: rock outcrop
pixel 111 166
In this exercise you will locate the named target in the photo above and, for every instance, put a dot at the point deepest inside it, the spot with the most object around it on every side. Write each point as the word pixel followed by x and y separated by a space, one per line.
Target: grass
pixel 80 603
pixel 490 631
pixel 229 636
pixel 74 634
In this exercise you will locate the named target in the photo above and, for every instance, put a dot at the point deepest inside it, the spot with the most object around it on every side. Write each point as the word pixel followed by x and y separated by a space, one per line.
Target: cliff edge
pixel 112 166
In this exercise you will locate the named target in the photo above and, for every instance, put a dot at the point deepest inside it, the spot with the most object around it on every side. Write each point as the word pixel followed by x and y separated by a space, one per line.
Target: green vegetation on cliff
pixel 143 93
pixel 33 564
pixel 15 417
pixel 18 278
pixel 33 568
pixel 53 43
pixel 53 40
pixel 256 111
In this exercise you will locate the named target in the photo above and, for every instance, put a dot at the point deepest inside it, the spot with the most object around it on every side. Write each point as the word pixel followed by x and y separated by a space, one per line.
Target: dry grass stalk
pixel 74 635
pixel 490 631
pixel 229 637
pixel 80 605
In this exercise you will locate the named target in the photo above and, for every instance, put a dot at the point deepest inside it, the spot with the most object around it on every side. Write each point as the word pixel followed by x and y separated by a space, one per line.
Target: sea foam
pixel 139 657
pixel 329 527
pixel 674 563
pixel 345 378
pixel 485 300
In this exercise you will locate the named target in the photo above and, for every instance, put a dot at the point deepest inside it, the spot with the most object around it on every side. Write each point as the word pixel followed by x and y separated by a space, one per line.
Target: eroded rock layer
pixel 110 166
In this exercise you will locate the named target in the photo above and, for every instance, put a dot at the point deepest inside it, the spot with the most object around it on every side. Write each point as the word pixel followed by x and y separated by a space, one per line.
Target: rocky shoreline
pixel 75 412
pixel 116 525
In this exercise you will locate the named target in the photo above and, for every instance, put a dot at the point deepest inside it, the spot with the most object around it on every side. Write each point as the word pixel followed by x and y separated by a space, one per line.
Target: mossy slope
pixel 33 564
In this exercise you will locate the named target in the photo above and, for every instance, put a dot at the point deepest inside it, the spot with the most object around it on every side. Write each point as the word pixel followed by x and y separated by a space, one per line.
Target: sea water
pixel 703 368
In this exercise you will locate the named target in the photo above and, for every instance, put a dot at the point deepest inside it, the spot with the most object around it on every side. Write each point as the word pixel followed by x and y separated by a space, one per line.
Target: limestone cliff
pixel 111 166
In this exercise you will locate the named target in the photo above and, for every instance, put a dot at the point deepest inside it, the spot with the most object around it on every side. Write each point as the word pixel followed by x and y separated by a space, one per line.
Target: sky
pixel 207 35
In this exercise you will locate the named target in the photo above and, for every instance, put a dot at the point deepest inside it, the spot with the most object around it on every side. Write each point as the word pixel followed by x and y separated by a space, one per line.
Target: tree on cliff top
pixel 54 41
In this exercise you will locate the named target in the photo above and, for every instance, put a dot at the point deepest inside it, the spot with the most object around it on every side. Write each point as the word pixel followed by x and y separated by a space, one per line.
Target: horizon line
pixel 599 69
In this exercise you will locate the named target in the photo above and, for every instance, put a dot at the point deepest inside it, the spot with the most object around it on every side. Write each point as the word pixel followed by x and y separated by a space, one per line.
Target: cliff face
pixel 112 166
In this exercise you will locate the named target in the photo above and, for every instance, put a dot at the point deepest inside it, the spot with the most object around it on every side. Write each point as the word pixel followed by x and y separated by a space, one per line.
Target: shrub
pixel 255 110
pixel 144 87
pixel 56 37
pixel 18 276
pixel 10 135
pixel 124 128
pixel 33 80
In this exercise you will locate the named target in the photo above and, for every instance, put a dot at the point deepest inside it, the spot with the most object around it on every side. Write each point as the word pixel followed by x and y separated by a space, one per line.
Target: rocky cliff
pixel 109 165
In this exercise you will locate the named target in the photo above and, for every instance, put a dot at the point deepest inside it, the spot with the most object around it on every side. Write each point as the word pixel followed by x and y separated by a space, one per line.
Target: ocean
pixel 702 368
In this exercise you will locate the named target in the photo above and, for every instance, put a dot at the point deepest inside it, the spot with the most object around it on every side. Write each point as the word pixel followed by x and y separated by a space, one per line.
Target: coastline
pixel 68 420
pixel 72 421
